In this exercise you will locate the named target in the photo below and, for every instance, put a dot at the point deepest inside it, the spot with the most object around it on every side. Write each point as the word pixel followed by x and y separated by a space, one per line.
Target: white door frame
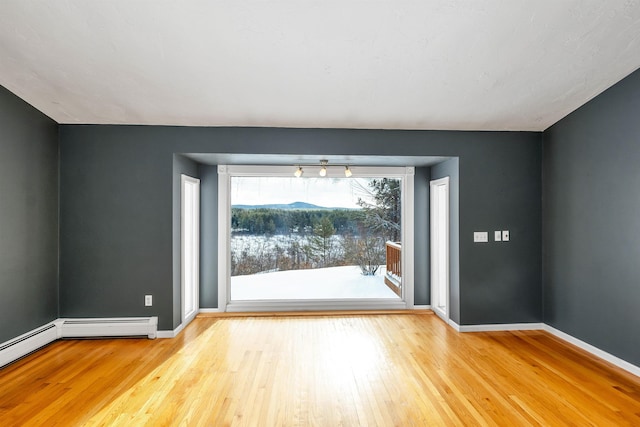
pixel 186 181
pixel 434 186
pixel 225 172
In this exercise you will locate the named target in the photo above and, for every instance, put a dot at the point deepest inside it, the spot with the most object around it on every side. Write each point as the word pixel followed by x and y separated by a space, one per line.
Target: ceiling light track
pixel 323 170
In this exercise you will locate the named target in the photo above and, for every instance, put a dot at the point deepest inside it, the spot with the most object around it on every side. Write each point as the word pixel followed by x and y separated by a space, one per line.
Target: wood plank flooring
pixel 349 370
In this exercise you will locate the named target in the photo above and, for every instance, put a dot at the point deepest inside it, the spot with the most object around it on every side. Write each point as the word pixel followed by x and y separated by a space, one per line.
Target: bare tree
pixel 381 206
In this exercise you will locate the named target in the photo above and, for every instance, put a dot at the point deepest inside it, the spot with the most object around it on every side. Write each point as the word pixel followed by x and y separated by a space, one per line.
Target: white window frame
pixel 435 291
pixel 188 317
pixel 225 172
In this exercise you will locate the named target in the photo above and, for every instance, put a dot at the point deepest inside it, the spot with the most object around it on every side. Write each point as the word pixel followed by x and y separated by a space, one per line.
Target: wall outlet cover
pixel 148 300
pixel 505 235
pixel 480 236
pixel 497 236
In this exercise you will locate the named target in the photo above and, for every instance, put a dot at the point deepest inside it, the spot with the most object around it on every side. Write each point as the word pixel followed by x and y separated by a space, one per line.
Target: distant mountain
pixel 294 205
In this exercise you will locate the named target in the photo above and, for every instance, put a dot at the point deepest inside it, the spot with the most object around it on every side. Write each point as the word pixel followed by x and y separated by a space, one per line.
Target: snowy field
pixel 320 283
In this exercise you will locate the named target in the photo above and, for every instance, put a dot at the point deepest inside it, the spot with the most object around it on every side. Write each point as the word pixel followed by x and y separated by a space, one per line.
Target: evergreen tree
pixel 320 242
pixel 383 215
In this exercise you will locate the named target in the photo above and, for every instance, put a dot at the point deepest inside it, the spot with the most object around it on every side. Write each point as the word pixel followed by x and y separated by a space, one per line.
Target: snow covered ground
pixel 320 283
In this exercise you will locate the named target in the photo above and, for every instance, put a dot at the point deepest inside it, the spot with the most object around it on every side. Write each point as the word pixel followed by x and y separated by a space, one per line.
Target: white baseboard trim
pixel 620 363
pixel 171 334
pixel 499 327
pixel 608 357
pixel 450 322
pixel 422 307
pixel 210 310
pixel 176 331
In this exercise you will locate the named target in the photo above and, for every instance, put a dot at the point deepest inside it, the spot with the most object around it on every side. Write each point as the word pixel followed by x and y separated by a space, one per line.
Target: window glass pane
pixel 315 238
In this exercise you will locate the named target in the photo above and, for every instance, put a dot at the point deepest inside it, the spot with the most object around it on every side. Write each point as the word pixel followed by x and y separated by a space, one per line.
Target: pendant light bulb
pixel 347 172
pixel 298 172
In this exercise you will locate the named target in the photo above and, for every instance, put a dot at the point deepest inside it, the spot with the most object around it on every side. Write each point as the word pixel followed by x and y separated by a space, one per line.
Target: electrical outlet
pixel 497 236
pixel 480 236
pixel 148 300
pixel 505 235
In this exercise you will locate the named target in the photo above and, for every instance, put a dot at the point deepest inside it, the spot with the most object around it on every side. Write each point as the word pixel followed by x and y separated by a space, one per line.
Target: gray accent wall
pixel 421 289
pixel 116 240
pixel 116 224
pixel 497 278
pixel 28 217
pixel 208 236
pixel 592 222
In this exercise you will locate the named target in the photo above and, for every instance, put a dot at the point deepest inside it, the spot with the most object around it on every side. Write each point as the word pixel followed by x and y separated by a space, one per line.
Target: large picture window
pixel 310 241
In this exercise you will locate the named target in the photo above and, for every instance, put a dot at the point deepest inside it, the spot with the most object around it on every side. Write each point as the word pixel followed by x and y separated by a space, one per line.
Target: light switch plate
pixel 148 300
pixel 480 236
pixel 497 236
pixel 505 235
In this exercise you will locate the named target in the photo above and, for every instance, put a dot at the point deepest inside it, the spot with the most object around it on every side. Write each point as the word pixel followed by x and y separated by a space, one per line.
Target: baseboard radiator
pixel 114 327
pixel 29 342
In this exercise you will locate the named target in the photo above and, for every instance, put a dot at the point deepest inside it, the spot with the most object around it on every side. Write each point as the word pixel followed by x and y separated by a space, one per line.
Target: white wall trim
pixel 224 230
pixel 608 357
pixel 209 310
pixel 453 324
pixel 433 245
pixel 422 307
pixel 408 235
pixel 171 334
pixel 314 305
pixel 184 181
pixel 623 364
pixel 500 327
pixel 225 172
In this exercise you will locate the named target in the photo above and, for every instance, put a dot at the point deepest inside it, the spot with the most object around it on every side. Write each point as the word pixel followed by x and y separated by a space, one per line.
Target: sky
pixel 326 192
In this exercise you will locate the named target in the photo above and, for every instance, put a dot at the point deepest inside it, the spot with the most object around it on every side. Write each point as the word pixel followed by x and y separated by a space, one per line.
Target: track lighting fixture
pixel 323 167
pixel 323 170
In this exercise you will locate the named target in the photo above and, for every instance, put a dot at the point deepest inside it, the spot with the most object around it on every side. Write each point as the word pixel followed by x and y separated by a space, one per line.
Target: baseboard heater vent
pixel 21 346
pixel 115 327
pixel 27 343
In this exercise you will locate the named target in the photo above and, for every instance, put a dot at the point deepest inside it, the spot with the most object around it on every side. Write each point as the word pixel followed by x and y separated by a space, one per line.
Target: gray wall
pixel 451 168
pixel 592 222
pixel 421 238
pixel 116 242
pixel 208 236
pixel 116 225
pixel 28 217
pixel 501 190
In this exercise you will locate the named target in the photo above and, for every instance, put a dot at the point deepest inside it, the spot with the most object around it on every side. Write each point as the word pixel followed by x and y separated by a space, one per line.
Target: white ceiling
pixel 429 64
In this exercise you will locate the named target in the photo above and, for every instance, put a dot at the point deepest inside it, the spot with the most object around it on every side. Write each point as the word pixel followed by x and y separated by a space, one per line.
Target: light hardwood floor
pixel 350 370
